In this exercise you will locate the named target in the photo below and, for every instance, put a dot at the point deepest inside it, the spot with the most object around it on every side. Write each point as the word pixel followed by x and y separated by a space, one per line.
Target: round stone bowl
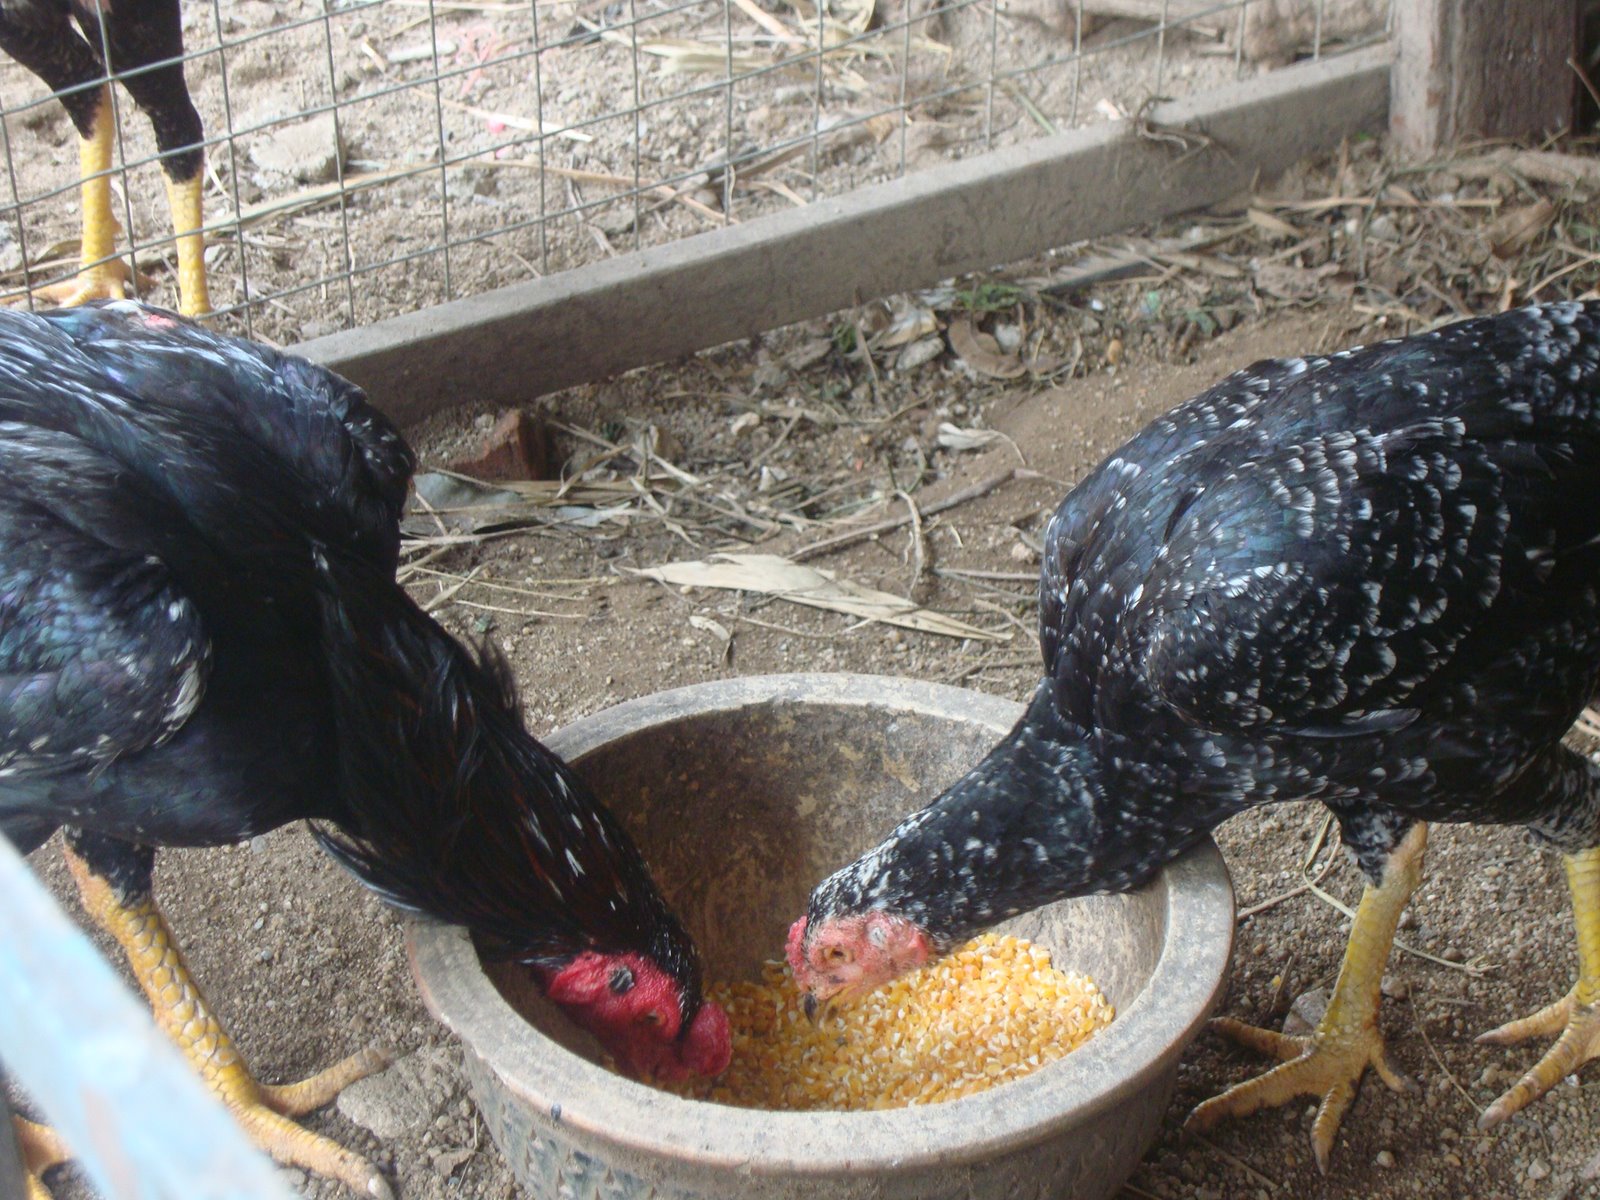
pixel 743 794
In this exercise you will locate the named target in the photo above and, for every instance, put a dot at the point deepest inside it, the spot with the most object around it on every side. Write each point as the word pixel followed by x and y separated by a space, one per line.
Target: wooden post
pixel 1469 69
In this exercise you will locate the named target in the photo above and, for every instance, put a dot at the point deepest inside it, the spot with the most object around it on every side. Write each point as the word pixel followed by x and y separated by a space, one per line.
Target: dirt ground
pixel 305 967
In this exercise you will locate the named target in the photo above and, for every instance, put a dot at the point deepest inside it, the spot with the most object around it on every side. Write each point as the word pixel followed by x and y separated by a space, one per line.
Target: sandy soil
pixel 305 967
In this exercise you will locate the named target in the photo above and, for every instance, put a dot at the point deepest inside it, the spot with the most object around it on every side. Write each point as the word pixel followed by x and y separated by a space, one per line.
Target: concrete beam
pixel 510 345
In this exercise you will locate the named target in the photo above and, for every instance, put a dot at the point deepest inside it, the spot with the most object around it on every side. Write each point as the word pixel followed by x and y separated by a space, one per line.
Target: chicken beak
pixel 816 1010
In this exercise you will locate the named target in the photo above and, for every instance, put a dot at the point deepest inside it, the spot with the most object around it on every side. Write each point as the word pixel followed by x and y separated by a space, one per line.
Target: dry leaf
pixel 680 55
pixel 1514 231
pixel 918 353
pixel 808 353
pixel 881 125
pixel 905 324
pixel 717 630
pixel 953 437
pixel 854 15
pixel 981 352
pixel 1268 223
pixel 1288 282
pixel 1200 262
pixel 774 575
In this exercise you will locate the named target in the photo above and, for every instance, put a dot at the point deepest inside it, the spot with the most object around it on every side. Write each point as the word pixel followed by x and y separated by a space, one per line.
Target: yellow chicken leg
pixel 42 1148
pixel 183 201
pixel 181 1011
pixel 1576 1016
pixel 1330 1061
pixel 103 275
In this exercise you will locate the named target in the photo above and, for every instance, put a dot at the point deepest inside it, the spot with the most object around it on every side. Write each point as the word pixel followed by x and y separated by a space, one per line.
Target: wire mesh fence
pixel 373 157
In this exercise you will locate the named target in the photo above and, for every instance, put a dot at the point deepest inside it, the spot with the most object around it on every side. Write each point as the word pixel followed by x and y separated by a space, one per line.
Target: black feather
pixel 1370 579
pixel 201 638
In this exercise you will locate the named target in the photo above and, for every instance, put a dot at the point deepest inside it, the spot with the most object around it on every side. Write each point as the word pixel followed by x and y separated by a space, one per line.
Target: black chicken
pixel 1367 579
pixel 145 43
pixel 201 638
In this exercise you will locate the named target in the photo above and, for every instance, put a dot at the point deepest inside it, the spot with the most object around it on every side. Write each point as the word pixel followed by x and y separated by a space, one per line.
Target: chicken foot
pixel 42 1148
pixel 104 274
pixel 1330 1061
pixel 184 203
pixel 134 920
pixel 1575 1017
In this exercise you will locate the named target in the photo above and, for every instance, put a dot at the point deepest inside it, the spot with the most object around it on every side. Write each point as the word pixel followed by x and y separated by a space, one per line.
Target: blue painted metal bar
pixel 140 1120
pixel 10 1154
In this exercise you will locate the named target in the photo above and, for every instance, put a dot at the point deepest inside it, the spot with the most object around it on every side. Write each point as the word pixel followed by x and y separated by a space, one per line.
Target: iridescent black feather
pixel 201 638
pixel 452 808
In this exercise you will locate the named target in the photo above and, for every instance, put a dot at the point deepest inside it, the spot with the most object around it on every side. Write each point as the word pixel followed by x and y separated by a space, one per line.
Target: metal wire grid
pixel 490 140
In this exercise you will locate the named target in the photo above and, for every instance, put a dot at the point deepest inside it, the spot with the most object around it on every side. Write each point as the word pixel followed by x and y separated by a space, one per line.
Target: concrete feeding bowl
pixel 743 794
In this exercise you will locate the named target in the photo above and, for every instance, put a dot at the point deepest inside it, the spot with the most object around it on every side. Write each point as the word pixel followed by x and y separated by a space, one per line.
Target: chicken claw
pixel 42 1148
pixel 264 1111
pixel 1330 1061
pixel 105 274
pixel 179 1008
pixel 1575 1017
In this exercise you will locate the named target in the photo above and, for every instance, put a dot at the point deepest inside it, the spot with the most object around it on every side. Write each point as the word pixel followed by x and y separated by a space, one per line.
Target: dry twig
pixel 972 492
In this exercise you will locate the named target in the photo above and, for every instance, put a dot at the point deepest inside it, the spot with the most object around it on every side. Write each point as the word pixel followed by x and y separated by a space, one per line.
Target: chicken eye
pixel 837 955
pixel 621 981
pixel 652 1017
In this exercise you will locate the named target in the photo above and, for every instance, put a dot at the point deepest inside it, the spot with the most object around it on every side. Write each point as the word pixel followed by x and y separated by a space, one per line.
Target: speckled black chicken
pixel 1368 579
pixel 201 639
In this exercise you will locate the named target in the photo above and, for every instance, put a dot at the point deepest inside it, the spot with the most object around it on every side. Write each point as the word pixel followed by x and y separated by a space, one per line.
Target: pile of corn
pixel 994 1010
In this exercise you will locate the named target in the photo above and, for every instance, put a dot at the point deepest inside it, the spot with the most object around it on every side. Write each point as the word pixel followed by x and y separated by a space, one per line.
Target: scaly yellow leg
pixel 1331 1060
pixel 42 1148
pixel 183 200
pixel 103 275
pixel 1576 1016
pixel 181 1011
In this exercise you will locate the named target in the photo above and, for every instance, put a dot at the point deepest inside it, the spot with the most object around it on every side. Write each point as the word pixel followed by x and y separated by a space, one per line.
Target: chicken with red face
pixel 202 638
pixel 1366 579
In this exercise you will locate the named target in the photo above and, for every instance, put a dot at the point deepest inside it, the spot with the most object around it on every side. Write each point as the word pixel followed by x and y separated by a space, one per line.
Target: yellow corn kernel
pixel 992 1011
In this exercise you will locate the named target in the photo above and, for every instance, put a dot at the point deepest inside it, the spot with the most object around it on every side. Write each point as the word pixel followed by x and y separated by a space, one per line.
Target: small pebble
pixel 1384 1159
pixel 1538 1169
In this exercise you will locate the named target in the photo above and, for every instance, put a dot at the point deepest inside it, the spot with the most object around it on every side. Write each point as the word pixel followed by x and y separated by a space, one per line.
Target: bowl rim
pixel 1136 1051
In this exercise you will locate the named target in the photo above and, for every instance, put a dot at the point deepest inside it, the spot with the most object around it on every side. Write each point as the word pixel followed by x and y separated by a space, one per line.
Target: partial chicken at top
pixel 140 42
